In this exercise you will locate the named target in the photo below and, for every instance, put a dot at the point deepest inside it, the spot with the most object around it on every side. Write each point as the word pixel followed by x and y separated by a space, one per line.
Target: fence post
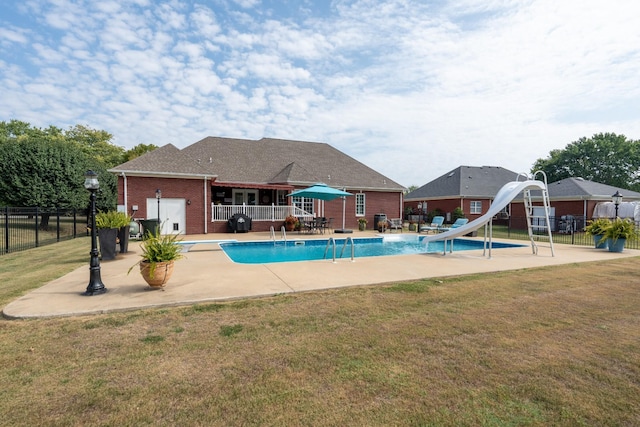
pixel 57 224
pixel 36 230
pixel 6 229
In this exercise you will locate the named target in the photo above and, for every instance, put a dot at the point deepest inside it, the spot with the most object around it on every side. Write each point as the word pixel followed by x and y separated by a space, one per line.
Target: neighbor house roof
pixel 265 161
pixel 582 189
pixel 465 181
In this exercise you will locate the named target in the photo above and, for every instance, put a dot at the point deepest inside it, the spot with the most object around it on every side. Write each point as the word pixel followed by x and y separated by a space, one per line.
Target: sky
pixel 411 88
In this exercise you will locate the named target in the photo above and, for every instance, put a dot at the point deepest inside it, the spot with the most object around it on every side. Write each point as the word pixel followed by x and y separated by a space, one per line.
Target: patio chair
pixel 395 224
pixel 436 224
pixel 458 223
pixel 327 225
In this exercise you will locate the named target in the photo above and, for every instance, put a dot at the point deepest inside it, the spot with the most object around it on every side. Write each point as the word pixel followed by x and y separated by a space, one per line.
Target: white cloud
pixel 11 35
pixel 411 88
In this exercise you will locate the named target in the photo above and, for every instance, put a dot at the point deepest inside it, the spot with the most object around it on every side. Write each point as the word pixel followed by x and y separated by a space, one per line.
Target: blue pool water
pixel 307 250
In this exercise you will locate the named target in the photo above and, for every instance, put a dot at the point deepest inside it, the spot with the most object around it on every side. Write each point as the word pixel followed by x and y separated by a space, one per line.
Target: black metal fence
pixel 567 229
pixel 26 228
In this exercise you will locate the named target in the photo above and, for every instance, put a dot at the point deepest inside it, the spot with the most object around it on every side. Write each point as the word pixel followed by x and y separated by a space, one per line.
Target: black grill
pixel 239 223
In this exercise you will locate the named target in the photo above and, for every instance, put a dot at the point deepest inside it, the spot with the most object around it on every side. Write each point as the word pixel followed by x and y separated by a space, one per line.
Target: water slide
pixel 506 194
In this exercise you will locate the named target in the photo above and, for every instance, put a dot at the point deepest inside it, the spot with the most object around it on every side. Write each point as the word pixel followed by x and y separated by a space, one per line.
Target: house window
pixel 360 204
pixel 475 208
pixel 304 203
pixel 282 198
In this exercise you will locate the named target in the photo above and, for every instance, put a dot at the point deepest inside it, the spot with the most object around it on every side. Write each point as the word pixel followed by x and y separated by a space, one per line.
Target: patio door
pixel 247 197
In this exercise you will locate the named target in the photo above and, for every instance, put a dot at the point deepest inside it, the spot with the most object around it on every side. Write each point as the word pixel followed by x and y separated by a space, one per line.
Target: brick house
pixel 472 188
pixel 577 198
pixel 204 184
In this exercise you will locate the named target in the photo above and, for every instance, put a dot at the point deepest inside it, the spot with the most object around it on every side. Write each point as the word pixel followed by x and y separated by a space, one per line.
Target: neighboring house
pixel 471 188
pixel 204 184
pixel 577 197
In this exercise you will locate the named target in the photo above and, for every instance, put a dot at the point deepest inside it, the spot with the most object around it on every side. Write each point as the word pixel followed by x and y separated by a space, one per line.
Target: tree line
pixel 45 167
pixel 606 158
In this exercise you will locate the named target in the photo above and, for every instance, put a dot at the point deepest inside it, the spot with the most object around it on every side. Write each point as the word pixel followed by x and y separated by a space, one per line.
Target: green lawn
pixel 548 346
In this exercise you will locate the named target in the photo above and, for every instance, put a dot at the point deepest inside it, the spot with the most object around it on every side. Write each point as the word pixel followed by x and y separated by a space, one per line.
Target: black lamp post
pixel 95 285
pixel 617 199
pixel 158 197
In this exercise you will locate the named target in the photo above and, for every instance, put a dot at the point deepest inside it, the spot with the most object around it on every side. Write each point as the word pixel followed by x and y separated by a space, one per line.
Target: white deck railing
pixel 257 213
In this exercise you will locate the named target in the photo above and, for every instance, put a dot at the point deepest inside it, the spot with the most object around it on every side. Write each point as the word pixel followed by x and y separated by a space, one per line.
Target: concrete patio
pixel 207 275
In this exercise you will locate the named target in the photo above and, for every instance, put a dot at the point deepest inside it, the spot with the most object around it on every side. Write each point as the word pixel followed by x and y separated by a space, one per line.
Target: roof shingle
pixel 268 161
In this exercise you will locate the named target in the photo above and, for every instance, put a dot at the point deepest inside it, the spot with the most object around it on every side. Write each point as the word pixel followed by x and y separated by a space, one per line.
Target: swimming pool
pixel 308 250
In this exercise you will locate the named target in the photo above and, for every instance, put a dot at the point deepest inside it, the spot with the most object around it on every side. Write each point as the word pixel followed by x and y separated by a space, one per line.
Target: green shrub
pixel 112 219
pixel 597 227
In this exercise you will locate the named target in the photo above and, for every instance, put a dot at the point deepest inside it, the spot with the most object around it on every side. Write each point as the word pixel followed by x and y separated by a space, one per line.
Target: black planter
pixel 123 236
pixel 107 238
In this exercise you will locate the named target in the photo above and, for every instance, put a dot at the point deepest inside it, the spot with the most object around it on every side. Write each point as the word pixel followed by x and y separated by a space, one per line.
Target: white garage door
pixel 172 214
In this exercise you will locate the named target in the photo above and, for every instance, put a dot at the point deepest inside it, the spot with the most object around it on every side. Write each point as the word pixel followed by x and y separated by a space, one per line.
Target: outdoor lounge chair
pixel 395 224
pixel 436 223
pixel 458 223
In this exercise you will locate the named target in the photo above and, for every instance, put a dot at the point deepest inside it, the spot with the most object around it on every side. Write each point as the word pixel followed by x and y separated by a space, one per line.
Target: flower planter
pixel 158 276
pixel 599 242
pixel 107 238
pixel 123 236
pixel 617 246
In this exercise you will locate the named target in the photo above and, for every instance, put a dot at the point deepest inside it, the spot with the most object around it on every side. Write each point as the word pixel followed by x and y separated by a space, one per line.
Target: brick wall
pixel 191 190
pixel 141 188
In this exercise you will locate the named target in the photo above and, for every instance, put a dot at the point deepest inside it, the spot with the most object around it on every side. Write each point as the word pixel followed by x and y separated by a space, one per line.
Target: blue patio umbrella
pixel 320 191
pixel 323 192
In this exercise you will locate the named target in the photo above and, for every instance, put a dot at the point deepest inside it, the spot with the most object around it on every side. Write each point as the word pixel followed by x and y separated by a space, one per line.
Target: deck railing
pixel 271 213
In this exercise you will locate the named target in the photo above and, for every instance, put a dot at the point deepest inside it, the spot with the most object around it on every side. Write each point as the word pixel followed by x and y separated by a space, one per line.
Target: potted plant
pixel 108 223
pixel 362 223
pixel 596 228
pixel 291 223
pixel 618 232
pixel 159 252
pixel 123 231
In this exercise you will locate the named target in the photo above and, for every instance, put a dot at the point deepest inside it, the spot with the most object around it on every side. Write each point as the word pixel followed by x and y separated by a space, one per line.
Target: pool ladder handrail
pixel 332 242
pixel 283 233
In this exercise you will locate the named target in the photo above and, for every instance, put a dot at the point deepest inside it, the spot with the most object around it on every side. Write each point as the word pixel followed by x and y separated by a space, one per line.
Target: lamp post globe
pixel 617 199
pixel 95 286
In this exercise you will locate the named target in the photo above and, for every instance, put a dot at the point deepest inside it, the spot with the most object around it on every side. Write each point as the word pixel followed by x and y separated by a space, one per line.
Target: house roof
pixel 265 161
pixel 579 188
pixel 486 181
pixel 167 160
pixel 465 181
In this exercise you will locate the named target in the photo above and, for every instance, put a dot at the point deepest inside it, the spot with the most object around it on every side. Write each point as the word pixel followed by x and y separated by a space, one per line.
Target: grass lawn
pixel 547 346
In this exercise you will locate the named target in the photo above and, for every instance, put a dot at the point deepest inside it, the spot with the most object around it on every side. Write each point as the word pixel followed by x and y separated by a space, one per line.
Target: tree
pixel 96 144
pixel 138 151
pixel 44 168
pixel 606 158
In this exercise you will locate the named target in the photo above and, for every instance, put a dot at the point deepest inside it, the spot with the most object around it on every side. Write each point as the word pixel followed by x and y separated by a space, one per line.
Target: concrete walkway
pixel 207 275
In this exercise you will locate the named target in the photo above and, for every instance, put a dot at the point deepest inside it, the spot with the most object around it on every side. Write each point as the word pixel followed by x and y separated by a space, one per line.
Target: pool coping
pixel 207 275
